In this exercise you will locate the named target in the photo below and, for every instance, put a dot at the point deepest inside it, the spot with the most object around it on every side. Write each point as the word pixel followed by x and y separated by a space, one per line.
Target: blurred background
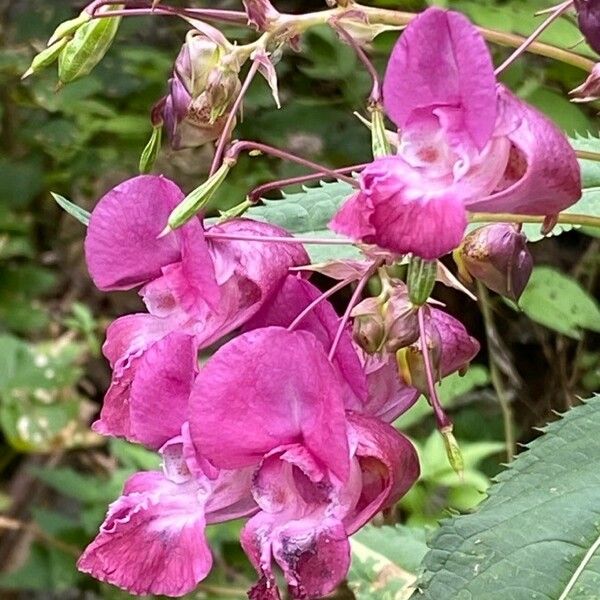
pixel 56 477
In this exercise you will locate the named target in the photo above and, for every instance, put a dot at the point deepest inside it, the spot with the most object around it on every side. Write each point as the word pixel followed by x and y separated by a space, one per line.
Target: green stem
pixel 566 218
pixel 496 376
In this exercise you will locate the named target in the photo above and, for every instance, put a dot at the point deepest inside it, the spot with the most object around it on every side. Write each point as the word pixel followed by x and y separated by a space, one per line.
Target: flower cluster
pixel 288 422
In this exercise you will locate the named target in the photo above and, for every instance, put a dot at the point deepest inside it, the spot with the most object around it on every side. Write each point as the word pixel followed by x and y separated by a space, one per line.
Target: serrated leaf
pixel 385 562
pixel 559 303
pixel 308 213
pixel 537 534
pixel 82 215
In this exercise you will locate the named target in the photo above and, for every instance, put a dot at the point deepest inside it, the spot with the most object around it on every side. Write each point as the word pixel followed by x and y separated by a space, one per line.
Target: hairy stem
pixel 496 376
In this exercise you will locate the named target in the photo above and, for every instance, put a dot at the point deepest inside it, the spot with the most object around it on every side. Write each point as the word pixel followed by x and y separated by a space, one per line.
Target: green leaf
pixel 82 215
pixel 385 562
pixel 537 534
pixel 559 303
pixel 308 213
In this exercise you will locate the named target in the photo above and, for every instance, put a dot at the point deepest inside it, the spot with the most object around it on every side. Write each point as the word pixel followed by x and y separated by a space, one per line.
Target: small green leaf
pixel 82 215
pixel 559 303
pixel 537 534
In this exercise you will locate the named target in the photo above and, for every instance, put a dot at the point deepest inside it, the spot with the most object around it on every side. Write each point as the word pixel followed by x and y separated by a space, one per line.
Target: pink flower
pixel 321 473
pixel 466 144
pixel 152 540
pixel 195 290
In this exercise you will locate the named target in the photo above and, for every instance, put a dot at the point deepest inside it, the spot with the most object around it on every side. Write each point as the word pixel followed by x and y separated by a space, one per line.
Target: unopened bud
pixel 420 280
pixel 150 152
pixel 453 452
pixel 369 327
pixel 204 85
pixel 196 200
pixel 45 58
pixel 588 17
pixel 402 324
pixel 87 48
pixel 68 28
pixel 497 255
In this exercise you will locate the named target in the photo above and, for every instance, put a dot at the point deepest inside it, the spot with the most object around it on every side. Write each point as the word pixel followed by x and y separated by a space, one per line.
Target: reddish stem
pixel 227 130
pixel 441 418
pixel 218 236
pixel 238 147
pixel 338 286
pixel 558 11
pixel 362 282
pixel 256 194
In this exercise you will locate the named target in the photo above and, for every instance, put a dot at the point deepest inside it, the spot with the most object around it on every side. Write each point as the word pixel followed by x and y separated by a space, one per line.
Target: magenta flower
pixel 196 290
pixel 321 473
pixel 152 540
pixel 466 143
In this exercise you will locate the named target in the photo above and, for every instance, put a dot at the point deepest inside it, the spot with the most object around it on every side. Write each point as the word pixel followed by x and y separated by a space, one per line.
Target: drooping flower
pixel 260 13
pixel 195 290
pixel 466 143
pixel 498 256
pixel 321 473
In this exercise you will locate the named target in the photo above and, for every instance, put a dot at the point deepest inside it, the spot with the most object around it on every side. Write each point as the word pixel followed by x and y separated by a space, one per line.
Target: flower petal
pixel 295 295
pixel 161 388
pixel 152 540
pixel 281 389
pixel 543 176
pixel 121 245
pixel 455 71
pixel 389 465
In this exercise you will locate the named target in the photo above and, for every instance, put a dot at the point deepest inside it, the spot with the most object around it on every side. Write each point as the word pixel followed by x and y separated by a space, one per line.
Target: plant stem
pixel 332 290
pixel 255 194
pixel 496 376
pixel 238 147
pixel 362 282
pixel 227 130
pixel 558 11
pixel 218 236
pixel 588 155
pixel 566 218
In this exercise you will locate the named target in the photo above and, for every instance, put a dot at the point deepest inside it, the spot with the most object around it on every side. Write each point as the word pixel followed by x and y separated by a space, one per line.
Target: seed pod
pixel 420 279
pixel 87 48
pixel 45 58
pixel 150 152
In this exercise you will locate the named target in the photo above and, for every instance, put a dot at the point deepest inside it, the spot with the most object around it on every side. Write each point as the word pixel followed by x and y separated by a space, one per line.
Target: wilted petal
pixel 281 389
pixel 389 466
pixel 543 176
pixel 121 245
pixel 152 540
pixel 455 71
pixel 589 90
pixel 322 321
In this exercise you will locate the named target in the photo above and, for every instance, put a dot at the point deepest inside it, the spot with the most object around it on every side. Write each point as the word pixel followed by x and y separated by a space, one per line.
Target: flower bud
pixel 369 327
pixel 498 256
pixel 204 85
pixel 453 451
pixel 402 325
pixel 588 17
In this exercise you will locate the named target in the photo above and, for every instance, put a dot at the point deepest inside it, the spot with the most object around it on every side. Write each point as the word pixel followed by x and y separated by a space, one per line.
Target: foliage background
pixel 56 478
